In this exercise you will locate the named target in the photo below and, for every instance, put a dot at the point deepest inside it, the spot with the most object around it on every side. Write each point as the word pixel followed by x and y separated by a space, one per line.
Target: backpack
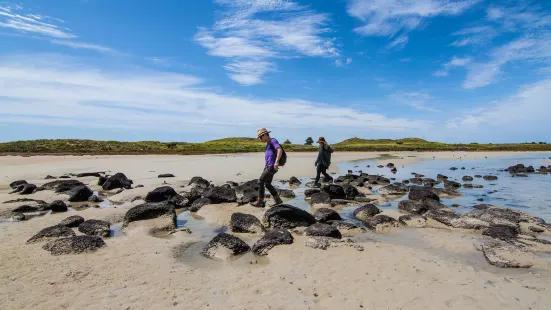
pixel 283 159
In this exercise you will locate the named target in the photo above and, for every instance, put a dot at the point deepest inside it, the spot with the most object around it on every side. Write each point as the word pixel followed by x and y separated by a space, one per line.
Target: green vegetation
pixel 241 145
pixel 309 141
pixel 287 142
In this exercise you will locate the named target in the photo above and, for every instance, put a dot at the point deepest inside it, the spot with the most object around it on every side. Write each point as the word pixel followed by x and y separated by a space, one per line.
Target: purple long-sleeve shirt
pixel 271 152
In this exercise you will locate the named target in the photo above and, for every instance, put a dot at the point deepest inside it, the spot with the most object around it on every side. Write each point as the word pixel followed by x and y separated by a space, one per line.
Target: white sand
pixel 403 269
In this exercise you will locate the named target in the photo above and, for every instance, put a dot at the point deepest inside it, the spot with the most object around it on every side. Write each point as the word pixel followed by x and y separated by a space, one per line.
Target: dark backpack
pixel 283 159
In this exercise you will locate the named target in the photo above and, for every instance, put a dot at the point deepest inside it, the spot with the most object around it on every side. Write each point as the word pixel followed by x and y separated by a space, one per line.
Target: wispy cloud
pixel 453 63
pixel 416 100
pixel 83 45
pixel 262 31
pixel 340 63
pixel 63 92
pixel 479 35
pixel 391 17
pixel 32 23
pixel 398 43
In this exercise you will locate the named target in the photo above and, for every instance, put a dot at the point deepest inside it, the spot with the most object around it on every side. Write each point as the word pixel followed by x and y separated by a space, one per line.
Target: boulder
pixel 441 177
pixel 49 177
pixel 74 245
pixel 27 189
pixel 413 220
pixel 502 232
pixel 323 230
pixel 381 222
pixel 220 194
pixel 498 215
pixel 472 186
pixel 286 193
pixel 376 180
pixel 119 180
pixel 324 215
pixel 335 191
pixel 467 178
pixel 271 239
pixel 395 189
pixel 56 231
pixel 507 255
pixel 451 184
pixel 199 181
pixel 79 193
pixel 294 181
pixel 199 203
pixel 25 209
pixel 102 180
pixel 450 218
pixel 89 174
pixel 422 193
pixel 490 177
pixel 336 202
pixel 15 184
pixel 311 191
pixel 247 196
pixel 347 228
pixel 366 212
pixel 95 228
pixel 159 194
pixel 453 168
pixel 413 207
pixel 224 246
pixel 245 223
pixel 60 186
pixel 149 211
pixel 320 199
pixel 286 216
pixel 349 191
pixel 446 192
pixel 166 175
pixel 58 206
pixel 72 221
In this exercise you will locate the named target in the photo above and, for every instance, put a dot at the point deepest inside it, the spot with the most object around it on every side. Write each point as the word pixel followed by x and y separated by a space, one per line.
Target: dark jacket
pixel 324 156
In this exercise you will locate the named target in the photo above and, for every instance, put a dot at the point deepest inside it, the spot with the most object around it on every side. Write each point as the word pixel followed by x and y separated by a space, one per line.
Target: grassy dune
pixel 240 145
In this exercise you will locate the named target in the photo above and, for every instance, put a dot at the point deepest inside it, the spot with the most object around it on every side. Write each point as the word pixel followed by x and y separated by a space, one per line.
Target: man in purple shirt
pixel 272 157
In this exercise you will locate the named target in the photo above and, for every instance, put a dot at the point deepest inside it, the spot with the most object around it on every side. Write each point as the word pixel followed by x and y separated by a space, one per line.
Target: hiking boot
pixel 259 203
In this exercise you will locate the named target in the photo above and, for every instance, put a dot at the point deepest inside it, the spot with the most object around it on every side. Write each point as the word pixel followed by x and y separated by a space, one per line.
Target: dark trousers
pixel 265 180
pixel 321 169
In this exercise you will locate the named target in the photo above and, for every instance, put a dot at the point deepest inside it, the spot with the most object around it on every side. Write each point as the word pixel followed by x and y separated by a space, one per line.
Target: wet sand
pixel 402 269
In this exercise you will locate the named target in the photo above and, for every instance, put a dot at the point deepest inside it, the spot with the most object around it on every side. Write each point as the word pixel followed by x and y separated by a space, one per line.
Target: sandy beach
pixel 404 268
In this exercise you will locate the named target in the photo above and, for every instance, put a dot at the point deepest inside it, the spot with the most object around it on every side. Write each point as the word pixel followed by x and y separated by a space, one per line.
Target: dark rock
pixel 363 199
pixel 65 177
pixel 413 220
pixel 58 206
pixel 390 165
pixel 413 207
pixel 232 183
pixel 321 198
pixel 102 180
pixel 17 217
pixel 72 221
pixel 271 239
pixel 89 174
pixel 502 232
pixel 480 199
pixel 286 216
pixel 377 180
pixel 477 176
pixel 311 191
pixel 199 181
pixel 49 177
pixel 490 177
pixel 380 166
pixel 451 184
pixel 453 168
pixel 199 203
pixel 74 245
pixel 245 223
pixel 79 193
pixel 95 199
pixel 52 232
pixel 395 189
pixel 286 193
pixel 472 186
pixel 323 230
pixel 441 177
pixel 149 211
pixel 294 181
pixel 166 175
pixel 325 215
pixel 95 228
pixel 467 178
pixel 366 212
pixel 336 202
pixel 443 192
pixel 220 194
pixel 27 189
pixel 443 216
pixel 506 255
pixel 349 191
pixel 160 194
pixel 462 168
pixel 498 215
pixel 60 186
pixel 219 245
pixel 15 184
pixel 119 180
pixel 381 219
pixel 334 191
pixel 247 196
pixel 394 170
pixel 25 209
pixel 421 193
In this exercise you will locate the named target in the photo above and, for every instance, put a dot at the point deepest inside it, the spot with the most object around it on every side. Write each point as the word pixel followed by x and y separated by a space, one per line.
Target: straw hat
pixel 321 139
pixel 261 131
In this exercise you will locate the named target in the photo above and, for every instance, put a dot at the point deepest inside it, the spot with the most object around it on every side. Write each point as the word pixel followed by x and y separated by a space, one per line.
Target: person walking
pixel 272 156
pixel 323 161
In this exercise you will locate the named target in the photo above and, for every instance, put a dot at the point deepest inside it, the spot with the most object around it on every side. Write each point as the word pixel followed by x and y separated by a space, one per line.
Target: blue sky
pixel 195 70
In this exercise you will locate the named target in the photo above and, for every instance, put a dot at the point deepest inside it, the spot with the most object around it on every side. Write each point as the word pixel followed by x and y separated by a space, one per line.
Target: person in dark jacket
pixel 323 161
pixel 272 156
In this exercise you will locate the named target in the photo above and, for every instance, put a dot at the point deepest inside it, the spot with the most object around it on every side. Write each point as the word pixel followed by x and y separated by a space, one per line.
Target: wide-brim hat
pixel 321 139
pixel 261 131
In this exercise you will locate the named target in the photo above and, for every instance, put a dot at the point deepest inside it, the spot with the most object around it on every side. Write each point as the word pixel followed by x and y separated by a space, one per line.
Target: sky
pixel 457 71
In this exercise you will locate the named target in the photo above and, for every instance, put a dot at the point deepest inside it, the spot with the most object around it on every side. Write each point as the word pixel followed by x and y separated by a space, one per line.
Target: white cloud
pixel 415 100
pixel 265 30
pixel 340 63
pixel 405 60
pixel 41 90
pixel 398 43
pixel 479 35
pixel 83 45
pixel 390 17
pixel 31 23
pixel 453 63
